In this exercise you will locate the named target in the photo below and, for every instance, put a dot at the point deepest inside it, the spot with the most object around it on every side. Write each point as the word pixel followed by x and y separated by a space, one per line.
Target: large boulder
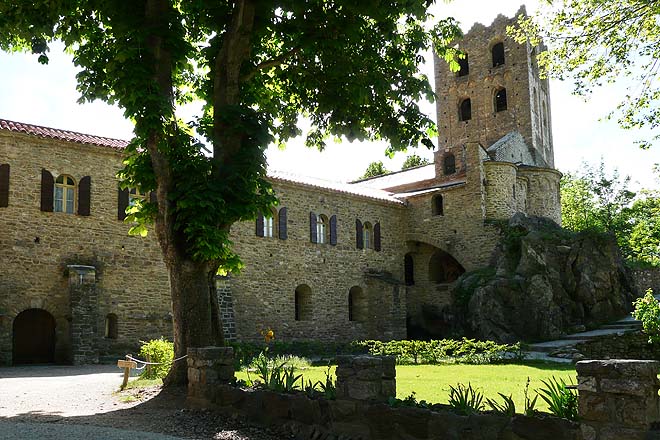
pixel 546 282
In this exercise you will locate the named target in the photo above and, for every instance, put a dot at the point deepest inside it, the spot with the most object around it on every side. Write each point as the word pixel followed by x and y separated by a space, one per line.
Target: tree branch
pixel 273 62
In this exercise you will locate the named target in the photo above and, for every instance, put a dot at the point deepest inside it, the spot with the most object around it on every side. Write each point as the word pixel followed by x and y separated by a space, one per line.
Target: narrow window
pixel 303 303
pixel 464 66
pixel 4 185
pixel 111 331
pixel 359 234
pixel 357 305
pixel 438 208
pixel 500 100
pixel 465 110
pixel 281 224
pixel 65 194
pixel 498 54
pixel 322 229
pixel 367 232
pixel 47 190
pixel 408 270
pixel 449 164
pixel 269 224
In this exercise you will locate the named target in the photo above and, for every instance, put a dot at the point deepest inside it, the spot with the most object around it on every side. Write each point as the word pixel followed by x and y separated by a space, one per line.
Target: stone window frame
pixel 464 112
pixel 498 59
pixel 500 103
pixel 111 326
pixel 438 205
pixel 69 191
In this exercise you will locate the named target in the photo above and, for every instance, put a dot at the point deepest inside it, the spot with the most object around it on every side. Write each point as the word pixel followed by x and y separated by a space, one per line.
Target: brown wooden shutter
pixel 47 191
pixel 282 224
pixel 4 185
pixel 312 228
pixel 260 225
pixel 359 237
pixel 333 230
pixel 84 196
pixel 377 237
pixel 122 203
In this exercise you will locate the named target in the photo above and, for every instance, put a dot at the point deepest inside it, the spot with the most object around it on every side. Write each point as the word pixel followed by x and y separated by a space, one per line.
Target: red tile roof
pixel 65 135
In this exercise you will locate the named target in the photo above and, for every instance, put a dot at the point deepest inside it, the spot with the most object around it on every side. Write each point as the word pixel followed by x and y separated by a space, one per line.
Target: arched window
pixel 463 66
pixel 368 234
pixel 498 54
pixel 111 331
pixel 408 270
pixel 438 208
pixel 465 110
pixel 443 268
pixel 322 229
pixel 65 194
pixel 357 305
pixel 500 100
pixel 449 164
pixel 303 303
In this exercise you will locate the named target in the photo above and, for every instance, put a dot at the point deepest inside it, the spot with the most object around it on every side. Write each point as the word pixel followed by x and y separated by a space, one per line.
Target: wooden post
pixel 148 366
pixel 126 365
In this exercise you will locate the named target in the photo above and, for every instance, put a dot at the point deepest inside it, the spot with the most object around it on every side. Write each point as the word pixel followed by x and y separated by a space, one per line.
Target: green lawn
pixel 431 382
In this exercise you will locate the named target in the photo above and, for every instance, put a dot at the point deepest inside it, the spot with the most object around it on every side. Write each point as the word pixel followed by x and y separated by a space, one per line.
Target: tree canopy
pixel 375 169
pixel 597 42
pixel 414 161
pixel 350 67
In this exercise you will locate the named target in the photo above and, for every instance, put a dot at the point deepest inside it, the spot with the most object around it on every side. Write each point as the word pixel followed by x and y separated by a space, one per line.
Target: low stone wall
pixel 626 346
pixel 647 279
pixel 363 382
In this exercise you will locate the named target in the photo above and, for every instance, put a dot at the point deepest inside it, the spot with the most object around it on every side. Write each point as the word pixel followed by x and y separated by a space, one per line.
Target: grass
pixel 143 383
pixel 431 382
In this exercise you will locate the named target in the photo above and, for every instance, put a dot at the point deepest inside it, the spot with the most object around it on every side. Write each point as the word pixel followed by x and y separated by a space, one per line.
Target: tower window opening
pixel 465 110
pixel 463 66
pixel 438 205
pixel 500 100
pixel 498 54
pixel 449 164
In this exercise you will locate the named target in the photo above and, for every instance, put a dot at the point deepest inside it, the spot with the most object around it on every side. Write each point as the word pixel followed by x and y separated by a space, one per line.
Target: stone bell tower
pixel 497 91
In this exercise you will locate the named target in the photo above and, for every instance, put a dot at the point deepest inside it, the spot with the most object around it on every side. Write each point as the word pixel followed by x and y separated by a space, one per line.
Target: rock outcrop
pixel 546 282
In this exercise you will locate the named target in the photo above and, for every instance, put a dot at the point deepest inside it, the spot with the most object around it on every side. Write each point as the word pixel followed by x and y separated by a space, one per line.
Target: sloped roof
pixel 64 135
pixel 346 188
pixel 399 178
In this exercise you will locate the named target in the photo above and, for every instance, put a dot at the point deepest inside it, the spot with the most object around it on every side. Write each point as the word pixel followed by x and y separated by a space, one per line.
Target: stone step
pixel 624 326
pixel 550 346
pixel 596 333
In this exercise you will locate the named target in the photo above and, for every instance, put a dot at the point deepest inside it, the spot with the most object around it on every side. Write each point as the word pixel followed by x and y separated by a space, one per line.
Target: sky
pixel 46 95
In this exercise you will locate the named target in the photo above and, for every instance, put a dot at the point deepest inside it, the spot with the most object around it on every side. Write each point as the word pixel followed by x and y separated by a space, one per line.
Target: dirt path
pixel 68 398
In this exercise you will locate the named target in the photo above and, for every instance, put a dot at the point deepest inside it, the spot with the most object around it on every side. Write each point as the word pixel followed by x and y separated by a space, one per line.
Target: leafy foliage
pixel 375 169
pixel 414 161
pixel 506 408
pixel 562 401
pixel 530 404
pixel 158 351
pixel 465 400
pixel 647 310
pixel 597 42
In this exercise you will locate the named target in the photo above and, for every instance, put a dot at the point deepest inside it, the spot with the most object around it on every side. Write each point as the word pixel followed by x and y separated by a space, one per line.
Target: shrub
pixel 647 310
pixel 562 401
pixel 159 351
pixel 465 400
pixel 506 408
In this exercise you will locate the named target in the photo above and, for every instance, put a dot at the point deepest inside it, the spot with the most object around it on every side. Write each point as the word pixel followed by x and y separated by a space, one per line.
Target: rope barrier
pixel 145 363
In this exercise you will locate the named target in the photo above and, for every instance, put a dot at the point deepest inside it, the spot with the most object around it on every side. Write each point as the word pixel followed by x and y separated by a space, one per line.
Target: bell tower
pixel 497 91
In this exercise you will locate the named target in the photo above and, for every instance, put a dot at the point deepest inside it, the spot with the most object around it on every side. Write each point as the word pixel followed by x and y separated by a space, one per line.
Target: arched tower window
pixel 500 100
pixel 437 202
pixel 498 54
pixel 449 164
pixel 111 327
pixel 463 66
pixel 465 110
pixel 65 194
pixel 408 270
pixel 303 303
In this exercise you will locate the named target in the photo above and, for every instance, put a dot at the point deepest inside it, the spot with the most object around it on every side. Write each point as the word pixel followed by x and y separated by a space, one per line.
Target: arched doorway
pixel 443 268
pixel 33 337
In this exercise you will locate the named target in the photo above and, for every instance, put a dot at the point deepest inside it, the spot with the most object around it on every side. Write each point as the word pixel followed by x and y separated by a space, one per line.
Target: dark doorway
pixel 34 337
pixel 443 268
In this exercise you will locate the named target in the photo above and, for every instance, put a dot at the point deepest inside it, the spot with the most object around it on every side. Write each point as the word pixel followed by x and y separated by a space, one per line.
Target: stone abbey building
pixel 333 261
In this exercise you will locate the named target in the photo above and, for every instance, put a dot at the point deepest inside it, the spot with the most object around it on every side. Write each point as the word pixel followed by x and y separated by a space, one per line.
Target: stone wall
pixel 647 279
pixel 500 189
pixel 625 346
pixel 542 192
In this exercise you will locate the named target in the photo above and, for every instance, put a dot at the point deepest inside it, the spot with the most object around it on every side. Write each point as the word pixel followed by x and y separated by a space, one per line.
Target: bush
pixel 647 310
pixel 159 351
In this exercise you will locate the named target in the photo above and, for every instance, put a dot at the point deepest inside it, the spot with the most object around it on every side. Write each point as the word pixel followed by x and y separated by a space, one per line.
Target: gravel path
pixel 81 403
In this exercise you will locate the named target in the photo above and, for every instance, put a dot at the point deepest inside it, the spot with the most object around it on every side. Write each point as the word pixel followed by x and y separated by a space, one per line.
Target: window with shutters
pixel 65 194
pixel 322 229
pixel 111 327
pixel 368 233
pixel 497 52
pixel 303 303
pixel 465 110
pixel 267 225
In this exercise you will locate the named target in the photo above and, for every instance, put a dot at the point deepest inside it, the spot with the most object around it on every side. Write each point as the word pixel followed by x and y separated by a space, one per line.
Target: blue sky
pixel 46 95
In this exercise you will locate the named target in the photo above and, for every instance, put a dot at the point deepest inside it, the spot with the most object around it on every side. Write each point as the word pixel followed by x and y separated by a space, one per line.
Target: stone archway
pixel 33 337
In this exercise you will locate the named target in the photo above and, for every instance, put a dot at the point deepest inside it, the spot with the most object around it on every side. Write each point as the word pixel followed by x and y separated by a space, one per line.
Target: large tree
pixel 595 42
pixel 349 66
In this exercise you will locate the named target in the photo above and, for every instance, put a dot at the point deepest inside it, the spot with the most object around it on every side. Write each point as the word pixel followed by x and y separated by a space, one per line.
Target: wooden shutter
pixel 84 196
pixel 281 225
pixel 333 230
pixel 4 185
pixel 47 191
pixel 260 225
pixel 359 237
pixel 122 203
pixel 377 237
pixel 312 228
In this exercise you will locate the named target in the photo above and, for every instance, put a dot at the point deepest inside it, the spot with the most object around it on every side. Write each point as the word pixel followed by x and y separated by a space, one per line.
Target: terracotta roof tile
pixel 65 135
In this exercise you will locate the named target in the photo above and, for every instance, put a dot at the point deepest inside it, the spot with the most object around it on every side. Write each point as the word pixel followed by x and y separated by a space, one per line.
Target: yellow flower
pixel 268 335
